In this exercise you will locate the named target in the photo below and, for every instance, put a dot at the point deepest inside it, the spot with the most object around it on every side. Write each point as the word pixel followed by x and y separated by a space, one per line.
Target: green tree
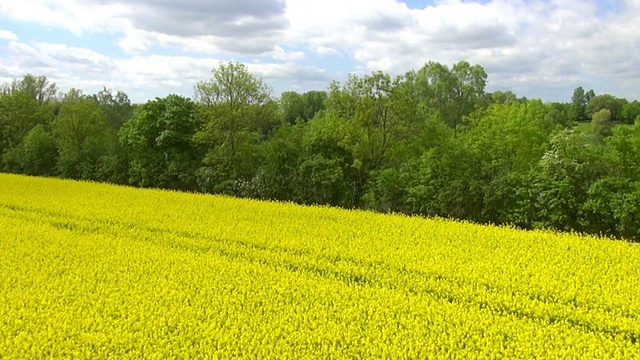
pixel 23 105
pixel 301 107
pixel 19 113
pixel 235 113
pixel 313 103
pixel 625 141
pixel 508 141
pixel 324 171
pixel 38 88
pixel 601 125
pixel 159 142
pixel 117 107
pixel 376 119
pixel 579 101
pixel 502 97
pixel 38 152
pixel 612 208
pixel 630 111
pixel 278 176
pixel 562 114
pixel 80 130
pixel 606 101
pixel 291 107
pixel 453 93
pixel 413 130
pixel 564 175
pixel 484 172
pixel 446 183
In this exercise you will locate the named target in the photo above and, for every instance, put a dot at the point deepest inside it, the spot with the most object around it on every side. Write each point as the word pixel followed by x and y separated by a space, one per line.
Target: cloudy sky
pixel 148 48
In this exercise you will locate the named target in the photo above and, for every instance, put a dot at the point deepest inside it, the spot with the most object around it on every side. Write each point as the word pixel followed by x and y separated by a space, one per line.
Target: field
pixel 98 271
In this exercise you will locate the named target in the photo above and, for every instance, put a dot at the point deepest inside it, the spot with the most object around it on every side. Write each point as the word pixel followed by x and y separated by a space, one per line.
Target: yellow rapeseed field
pixel 98 271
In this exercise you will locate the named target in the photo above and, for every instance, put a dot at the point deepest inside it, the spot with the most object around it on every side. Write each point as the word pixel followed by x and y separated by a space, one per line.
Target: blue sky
pixel 148 48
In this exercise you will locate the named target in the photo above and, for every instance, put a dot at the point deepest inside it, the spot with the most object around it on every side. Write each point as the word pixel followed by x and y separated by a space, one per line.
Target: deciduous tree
pixel 159 142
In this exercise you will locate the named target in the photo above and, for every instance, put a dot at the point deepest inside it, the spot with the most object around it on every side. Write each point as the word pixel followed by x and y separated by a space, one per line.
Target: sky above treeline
pixel 147 48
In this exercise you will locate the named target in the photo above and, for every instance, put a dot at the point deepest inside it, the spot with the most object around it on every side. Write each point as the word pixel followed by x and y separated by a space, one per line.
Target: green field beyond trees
pixel 429 142
pixel 95 271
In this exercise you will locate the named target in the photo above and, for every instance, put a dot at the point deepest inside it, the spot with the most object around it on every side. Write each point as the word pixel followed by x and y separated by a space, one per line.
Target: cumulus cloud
pixel 241 26
pixel 238 18
pixel 141 76
pixel 7 35
pixel 75 16
pixel 541 48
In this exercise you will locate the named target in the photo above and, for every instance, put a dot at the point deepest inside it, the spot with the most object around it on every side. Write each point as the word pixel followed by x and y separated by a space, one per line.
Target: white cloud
pixel 7 35
pixel 281 54
pixel 75 16
pixel 530 45
pixel 141 76
pixel 541 48
pixel 134 42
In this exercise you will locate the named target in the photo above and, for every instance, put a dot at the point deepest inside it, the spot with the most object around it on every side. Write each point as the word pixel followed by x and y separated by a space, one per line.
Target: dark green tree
pixel 301 107
pixel 38 152
pixel 606 101
pixel 159 142
pixel 579 101
pixel 235 114
pixel 612 208
pixel 291 106
pixel 502 97
pixel 283 152
pixel 563 178
pixel 324 174
pixel 630 112
pixel 38 88
pixel 80 131
pixel 23 105
pixel 117 107
pixel 19 113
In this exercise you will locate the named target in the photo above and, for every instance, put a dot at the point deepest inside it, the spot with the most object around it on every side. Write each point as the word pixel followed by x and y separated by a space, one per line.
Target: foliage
pixel 630 111
pixel 159 142
pixel 601 125
pixel 83 138
pixel 37 88
pixel 564 175
pixel 452 93
pixel 579 101
pixel 608 102
pixel 301 107
pixel 235 111
pixel 429 142
pixel 38 152
pixel 19 113
pixel 117 108
pixel 325 173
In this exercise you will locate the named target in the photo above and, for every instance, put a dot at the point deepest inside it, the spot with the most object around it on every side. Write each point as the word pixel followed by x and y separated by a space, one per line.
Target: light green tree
pixel 601 125
pixel 236 111
pixel 453 93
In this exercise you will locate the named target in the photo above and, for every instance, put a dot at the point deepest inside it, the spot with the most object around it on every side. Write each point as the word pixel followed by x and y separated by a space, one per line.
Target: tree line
pixel 429 142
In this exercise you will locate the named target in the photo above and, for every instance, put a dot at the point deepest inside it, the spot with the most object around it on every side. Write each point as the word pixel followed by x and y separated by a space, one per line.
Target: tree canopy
pixel 428 142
